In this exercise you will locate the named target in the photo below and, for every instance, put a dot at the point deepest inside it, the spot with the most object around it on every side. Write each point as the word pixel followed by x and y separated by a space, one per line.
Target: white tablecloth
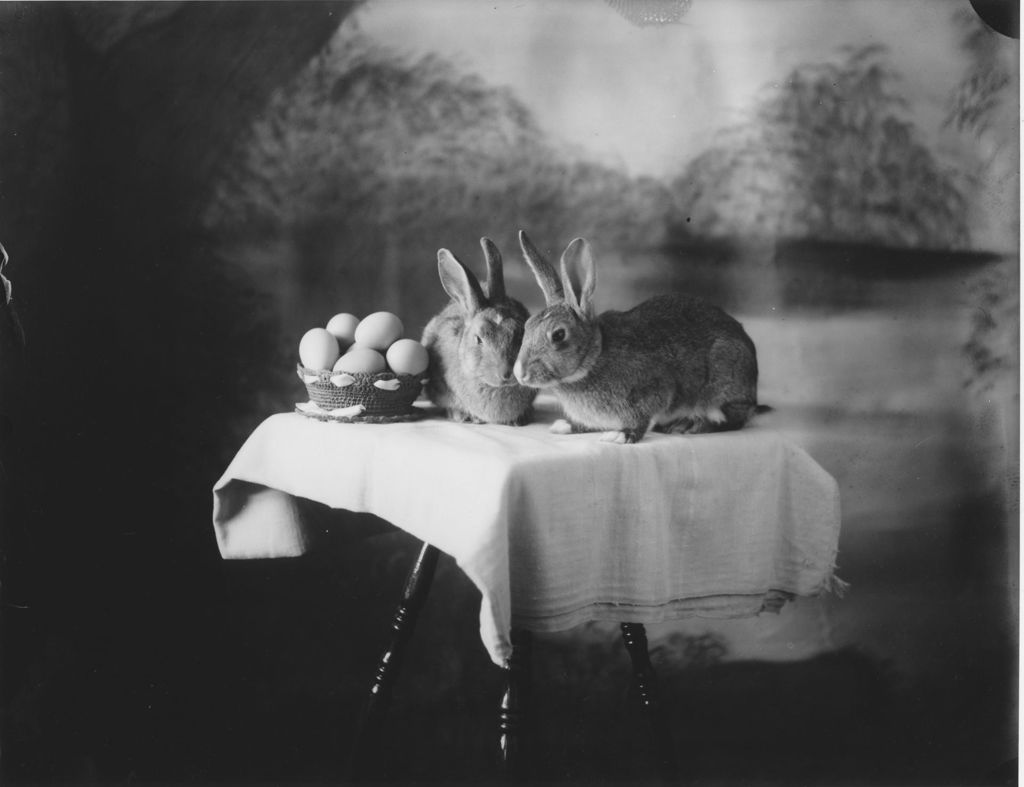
pixel 554 530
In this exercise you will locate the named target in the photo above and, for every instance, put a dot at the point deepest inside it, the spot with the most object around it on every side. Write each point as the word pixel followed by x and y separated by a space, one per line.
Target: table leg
pixel 417 586
pixel 634 635
pixel 515 703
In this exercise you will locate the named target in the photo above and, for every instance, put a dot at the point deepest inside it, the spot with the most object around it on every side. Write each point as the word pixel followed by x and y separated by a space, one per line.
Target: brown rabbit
pixel 473 343
pixel 673 363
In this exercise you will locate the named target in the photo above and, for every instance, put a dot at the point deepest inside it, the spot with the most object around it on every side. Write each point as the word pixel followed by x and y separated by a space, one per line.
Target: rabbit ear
pixel 459 282
pixel 577 261
pixel 495 273
pixel 546 276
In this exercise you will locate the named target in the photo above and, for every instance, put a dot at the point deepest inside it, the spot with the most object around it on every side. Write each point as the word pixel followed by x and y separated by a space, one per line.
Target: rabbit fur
pixel 472 344
pixel 673 363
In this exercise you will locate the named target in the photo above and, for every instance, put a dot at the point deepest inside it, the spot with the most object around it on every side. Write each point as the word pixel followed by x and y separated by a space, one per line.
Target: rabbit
pixel 673 363
pixel 473 343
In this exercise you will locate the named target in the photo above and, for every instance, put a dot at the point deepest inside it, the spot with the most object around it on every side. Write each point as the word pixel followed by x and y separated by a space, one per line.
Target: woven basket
pixel 377 393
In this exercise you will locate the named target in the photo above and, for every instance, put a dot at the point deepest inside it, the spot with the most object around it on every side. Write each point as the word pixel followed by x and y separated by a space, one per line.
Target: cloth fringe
pixel 835 585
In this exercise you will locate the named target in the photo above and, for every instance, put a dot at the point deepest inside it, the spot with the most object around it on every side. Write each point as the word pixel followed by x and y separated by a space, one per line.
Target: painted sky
pixel 651 98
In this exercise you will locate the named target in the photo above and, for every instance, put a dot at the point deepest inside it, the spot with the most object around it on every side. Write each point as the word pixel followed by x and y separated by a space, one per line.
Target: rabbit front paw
pixel 523 419
pixel 462 417
pixel 623 436
pixel 561 426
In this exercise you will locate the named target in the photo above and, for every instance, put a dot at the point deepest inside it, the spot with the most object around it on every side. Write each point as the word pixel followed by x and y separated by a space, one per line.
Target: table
pixel 554 530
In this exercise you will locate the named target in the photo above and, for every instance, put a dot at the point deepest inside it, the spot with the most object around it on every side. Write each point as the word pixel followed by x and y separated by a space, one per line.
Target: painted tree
pixel 979 101
pixel 410 144
pixel 829 154
pixel 982 110
pixel 982 114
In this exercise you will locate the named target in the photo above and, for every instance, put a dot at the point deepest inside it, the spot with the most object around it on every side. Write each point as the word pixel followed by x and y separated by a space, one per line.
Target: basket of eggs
pixel 361 370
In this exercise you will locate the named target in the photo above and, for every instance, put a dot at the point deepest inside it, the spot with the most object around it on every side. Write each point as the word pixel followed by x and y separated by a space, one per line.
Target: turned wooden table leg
pixel 417 586
pixel 514 713
pixel 634 635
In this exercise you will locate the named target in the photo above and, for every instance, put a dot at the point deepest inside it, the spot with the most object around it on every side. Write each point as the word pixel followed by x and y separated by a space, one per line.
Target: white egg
pixel 407 356
pixel 318 349
pixel 343 328
pixel 379 330
pixel 360 360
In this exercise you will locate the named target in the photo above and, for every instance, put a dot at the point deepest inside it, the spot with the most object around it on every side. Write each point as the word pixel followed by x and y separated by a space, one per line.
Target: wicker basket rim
pixel 362 376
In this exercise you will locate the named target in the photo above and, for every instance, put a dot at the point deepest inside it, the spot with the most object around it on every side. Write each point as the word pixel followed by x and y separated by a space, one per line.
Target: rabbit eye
pixel 558 335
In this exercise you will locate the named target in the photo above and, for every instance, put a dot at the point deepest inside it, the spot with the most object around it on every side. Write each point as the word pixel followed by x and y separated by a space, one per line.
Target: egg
pixel 318 349
pixel 379 330
pixel 407 356
pixel 343 328
pixel 360 360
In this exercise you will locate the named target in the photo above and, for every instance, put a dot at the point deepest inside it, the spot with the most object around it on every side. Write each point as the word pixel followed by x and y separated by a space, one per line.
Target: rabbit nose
pixel 507 376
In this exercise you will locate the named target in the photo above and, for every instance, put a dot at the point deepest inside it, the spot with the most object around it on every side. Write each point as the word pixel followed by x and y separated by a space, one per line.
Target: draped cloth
pixel 554 530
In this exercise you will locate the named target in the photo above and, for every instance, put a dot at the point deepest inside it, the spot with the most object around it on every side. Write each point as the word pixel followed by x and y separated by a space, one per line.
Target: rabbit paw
pixel 462 417
pixel 688 424
pixel 623 437
pixel 698 426
pixel 523 419
pixel 561 426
